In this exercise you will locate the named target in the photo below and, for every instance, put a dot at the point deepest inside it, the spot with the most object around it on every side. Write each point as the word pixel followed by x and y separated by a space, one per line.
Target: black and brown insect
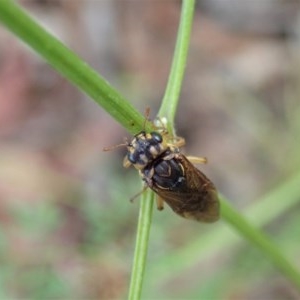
pixel 172 176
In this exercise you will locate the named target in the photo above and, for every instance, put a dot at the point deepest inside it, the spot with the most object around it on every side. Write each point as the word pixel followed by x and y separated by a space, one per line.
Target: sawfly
pixel 172 175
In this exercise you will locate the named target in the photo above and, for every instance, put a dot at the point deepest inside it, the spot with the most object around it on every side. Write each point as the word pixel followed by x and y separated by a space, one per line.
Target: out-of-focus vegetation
pixel 67 226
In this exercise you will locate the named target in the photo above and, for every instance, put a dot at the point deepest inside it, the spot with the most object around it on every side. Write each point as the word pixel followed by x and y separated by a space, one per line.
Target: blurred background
pixel 67 228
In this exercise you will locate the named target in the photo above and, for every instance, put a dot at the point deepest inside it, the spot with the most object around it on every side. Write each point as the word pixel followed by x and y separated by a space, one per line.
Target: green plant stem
pixel 141 246
pixel 168 110
pixel 260 240
pixel 170 101
pixel 70 65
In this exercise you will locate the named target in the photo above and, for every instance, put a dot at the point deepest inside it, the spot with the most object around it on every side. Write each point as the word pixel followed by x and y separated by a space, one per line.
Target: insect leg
pixel 197 160
pixel 139 193
pixel 159 203
pixel 126 162
pixel 178 142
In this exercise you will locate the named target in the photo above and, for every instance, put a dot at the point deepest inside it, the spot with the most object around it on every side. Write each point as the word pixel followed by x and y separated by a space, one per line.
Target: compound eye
pixel 132 158
pixel 156 136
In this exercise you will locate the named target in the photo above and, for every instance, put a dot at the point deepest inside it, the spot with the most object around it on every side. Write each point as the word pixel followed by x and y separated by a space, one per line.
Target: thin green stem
pixel 260 240
pixel 168 110
pixel 141 246
pixel 170 101
pixel 70 65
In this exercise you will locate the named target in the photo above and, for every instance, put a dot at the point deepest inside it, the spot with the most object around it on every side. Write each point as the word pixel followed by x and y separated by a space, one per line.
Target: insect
pixel 173 177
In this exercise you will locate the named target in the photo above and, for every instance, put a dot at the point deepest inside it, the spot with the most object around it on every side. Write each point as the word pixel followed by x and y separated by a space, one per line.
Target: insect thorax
pixel 145 148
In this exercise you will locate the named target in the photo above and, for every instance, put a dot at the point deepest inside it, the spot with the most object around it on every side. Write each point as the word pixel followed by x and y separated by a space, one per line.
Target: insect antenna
pixel 125 144
pixel 147 119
